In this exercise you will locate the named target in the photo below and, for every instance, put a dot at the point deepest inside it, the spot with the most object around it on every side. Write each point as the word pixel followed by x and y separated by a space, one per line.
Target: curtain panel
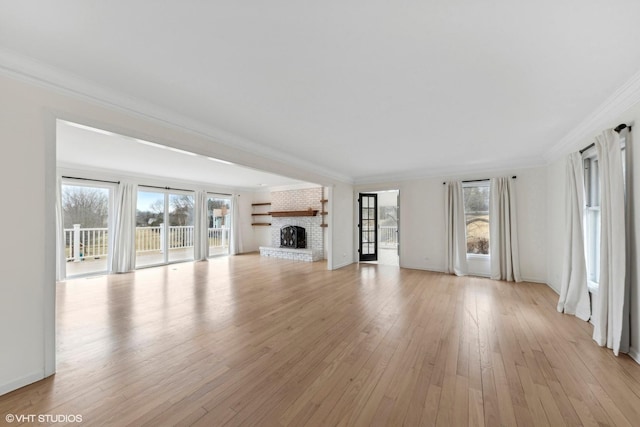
pixel 201 228
pixel 611 326
pixel 122 242
pixel 235 246
pixel 503 229
pixel 455 229
pixel 61 256
pixel 574 292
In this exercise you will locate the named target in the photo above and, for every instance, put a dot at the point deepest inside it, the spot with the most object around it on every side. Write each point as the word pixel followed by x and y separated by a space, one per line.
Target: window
pixel 592 216
pixel 592 210
pixel 476 212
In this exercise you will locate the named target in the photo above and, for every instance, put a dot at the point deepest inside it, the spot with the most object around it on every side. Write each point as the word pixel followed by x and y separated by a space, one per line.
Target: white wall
pixel 341 226
pixel 555 232
pixel 26 276
pixel 422 239
pixel 556 183
pixel 261 234
pixel 27 164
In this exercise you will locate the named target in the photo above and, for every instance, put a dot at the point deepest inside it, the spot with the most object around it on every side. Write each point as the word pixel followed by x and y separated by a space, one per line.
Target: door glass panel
pixel 150 228
pixel 180 243
pixel 85 212
pixel 368 227
pixel 219 219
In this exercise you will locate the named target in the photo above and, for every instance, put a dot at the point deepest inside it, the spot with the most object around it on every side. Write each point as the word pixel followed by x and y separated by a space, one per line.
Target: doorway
pixel 378 227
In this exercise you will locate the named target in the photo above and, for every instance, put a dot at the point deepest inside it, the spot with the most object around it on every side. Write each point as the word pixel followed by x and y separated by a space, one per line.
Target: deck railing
pixel 388 236
pixel 81 243
pixel 85 242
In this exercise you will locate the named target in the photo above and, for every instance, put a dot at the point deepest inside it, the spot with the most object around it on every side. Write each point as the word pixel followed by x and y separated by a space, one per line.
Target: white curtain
pixel 610 324
pixel 574 293
pixel 61 256
pixel 455 229
pixel 236 227
pixel 201 228
pixel 123 252
pixel 503 229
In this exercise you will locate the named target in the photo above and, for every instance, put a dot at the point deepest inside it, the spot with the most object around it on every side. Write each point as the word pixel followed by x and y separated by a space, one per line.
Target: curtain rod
pixel 89 179
pixel 219 194
pixel 479 180
pixel 165 188
pixel 618 129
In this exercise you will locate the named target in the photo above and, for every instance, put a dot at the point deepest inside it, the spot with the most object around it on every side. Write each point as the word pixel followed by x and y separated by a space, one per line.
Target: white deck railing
pixel 83 243
pixel 388 236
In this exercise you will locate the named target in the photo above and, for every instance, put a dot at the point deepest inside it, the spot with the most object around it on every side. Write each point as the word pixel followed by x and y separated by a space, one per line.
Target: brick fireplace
pixel 296 200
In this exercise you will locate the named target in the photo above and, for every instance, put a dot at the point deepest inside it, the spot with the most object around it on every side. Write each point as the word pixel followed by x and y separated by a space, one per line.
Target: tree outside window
pixel 476 212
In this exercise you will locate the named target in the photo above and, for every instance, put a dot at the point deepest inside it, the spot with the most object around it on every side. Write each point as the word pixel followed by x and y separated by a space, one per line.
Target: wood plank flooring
pixel 258 341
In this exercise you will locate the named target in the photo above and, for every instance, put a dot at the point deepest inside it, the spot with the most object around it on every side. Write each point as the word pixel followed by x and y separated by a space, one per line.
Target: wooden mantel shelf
pixel 308 212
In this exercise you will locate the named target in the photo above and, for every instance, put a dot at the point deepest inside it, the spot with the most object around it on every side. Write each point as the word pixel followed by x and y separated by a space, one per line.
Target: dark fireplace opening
pixel 293 236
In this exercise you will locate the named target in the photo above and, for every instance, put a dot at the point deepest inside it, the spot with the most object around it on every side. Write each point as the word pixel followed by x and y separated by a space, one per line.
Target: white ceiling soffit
pixel 81 147
pixel 364 90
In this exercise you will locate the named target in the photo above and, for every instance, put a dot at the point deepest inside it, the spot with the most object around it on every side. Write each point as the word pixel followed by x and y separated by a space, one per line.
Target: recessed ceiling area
pixel 85 148
pixel 364 89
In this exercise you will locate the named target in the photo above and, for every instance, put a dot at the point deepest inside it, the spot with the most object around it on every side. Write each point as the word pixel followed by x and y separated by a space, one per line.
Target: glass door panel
pixel 219 225
pixel 150 228
pixel 180 232
pixel 368 227
pixel 85 212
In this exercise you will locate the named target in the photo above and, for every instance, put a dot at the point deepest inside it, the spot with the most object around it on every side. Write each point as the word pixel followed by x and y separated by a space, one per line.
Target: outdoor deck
pixel 99 265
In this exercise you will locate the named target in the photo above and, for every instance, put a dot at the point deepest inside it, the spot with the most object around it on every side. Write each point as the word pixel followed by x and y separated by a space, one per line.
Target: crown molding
pixel 491 168
pixel 35 72
pixel 82 171
pixel 293 187
pixel 612 108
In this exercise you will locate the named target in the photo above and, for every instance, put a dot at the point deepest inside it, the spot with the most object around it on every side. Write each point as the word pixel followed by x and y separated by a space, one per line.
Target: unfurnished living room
pixel 320 214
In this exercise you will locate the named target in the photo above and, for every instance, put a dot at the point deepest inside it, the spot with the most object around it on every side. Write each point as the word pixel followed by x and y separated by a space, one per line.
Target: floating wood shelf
pixel 324 225
pixel 309 212
pixel 261 211
pixel 324 201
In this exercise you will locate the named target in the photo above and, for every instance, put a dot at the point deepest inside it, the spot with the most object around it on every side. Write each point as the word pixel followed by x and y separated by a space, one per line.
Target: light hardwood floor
pixel 254 341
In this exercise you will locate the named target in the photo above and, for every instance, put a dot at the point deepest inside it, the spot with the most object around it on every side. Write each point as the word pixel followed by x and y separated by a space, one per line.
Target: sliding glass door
pixel 219 227
pixel 180 227
pixel 85 213
pixel 164 227
pixel 150 242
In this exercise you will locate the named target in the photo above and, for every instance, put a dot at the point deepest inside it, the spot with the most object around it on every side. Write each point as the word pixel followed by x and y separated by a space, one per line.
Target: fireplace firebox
pixel 293 236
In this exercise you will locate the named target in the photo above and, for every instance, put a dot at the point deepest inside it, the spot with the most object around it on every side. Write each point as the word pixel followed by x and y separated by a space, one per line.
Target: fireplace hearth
pixel 293 236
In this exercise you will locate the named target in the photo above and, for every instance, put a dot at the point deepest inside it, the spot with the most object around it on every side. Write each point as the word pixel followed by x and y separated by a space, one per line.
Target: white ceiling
pixel 94 149
pixel 363 89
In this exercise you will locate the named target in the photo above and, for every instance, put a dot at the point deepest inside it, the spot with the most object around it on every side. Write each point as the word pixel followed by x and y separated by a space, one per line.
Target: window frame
pixel 591 216
pixel 592 198
pixel 478 183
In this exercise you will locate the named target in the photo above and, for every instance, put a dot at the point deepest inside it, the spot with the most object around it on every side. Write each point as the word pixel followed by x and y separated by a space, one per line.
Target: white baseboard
pixel 344 264
pixel 552 288
pixel 423 268
pixel 634 354
pixel 535 280
pixel 20 382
